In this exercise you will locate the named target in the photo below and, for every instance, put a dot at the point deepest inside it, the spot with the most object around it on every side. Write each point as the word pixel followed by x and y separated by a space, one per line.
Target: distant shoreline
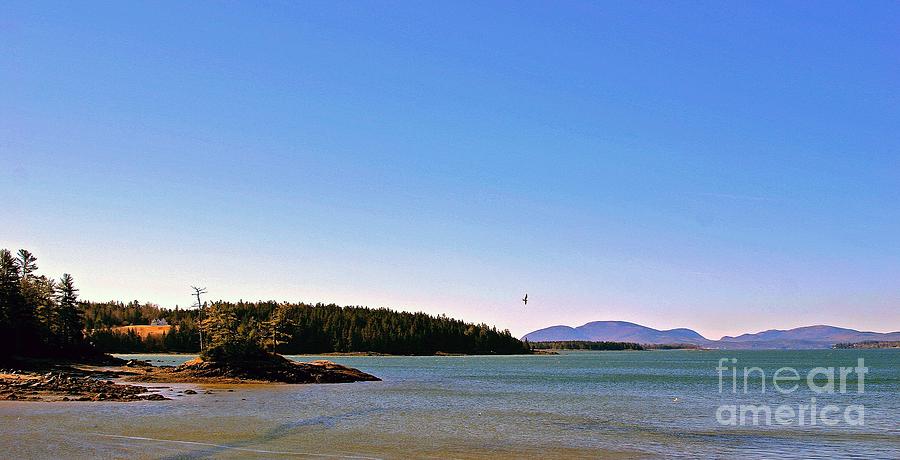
pixel 868 345
pixel 340 354
pixel 800 338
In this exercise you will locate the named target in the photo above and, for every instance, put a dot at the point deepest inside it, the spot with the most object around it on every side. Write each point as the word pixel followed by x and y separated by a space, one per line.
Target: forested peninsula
pixel 295 328
pixel 43 317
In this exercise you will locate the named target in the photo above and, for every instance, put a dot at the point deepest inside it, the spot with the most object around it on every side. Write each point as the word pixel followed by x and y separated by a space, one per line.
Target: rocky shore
pixel 63 386
pixel 70 382
pixel 274 369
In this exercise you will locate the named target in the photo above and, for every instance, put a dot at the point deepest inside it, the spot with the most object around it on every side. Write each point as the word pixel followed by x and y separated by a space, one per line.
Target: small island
pixel 58 346
pixel 236 355
pixel 49 354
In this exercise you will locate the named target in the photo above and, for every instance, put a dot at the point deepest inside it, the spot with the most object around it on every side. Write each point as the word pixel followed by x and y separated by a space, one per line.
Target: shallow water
pixel 577 404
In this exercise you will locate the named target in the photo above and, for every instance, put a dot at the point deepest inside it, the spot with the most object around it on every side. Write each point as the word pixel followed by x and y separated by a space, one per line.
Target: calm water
pixel 578 404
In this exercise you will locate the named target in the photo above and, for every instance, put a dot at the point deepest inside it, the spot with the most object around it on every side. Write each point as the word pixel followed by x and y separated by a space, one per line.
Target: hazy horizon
pixel 704 165
pixel 188 302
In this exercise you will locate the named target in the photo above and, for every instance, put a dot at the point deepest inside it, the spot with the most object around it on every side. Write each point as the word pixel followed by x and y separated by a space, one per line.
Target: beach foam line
pixel 223 446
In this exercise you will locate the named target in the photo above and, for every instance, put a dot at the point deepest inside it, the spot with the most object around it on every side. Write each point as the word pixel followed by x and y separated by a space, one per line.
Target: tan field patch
pixel 143 330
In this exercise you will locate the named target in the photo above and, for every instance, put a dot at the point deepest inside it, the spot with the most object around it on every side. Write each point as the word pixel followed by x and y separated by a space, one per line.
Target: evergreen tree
pixel 280 326
pixel 40 294
pixel 220 324
pixel 14 312
pixel 8 286
pixel 70 317
pixel 230 339
pixel 27 263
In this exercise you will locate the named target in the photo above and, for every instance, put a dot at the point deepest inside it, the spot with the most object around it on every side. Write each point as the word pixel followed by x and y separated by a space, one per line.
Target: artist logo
pixel 787 381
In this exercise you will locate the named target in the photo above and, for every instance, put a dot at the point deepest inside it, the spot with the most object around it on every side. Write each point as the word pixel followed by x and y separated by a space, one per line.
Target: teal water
pixel 577 404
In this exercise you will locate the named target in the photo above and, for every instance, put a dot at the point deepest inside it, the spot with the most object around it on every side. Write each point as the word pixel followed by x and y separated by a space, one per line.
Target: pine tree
pixel 27 263
pixel 220 324
pixel 13 308
pixel 40 294
pixel 9 286
pixel 280 326
pixel 70 318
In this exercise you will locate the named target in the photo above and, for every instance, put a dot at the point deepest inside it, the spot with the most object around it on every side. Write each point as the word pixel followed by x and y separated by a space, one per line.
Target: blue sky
pixel 724 166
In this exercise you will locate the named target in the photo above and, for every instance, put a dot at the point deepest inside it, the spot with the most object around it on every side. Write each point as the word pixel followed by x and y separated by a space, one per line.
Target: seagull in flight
pixel 525 299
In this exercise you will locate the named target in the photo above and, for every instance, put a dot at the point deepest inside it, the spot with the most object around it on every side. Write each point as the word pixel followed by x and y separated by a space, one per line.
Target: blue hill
pixel 819 336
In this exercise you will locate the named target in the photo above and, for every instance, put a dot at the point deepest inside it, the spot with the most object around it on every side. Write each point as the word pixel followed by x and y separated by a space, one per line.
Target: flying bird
pixel 525 299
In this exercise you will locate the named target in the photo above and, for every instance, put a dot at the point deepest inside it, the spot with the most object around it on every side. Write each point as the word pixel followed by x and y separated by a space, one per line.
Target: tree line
pixel 39 316
pixel 585 345
pixel 101 318
pixel 299 328
pixel 869 344
pixel 42 316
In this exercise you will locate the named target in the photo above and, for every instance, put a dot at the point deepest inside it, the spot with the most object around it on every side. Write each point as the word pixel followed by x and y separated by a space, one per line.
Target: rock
pixel 57 386
pixel 155 397
pixel 190 392
pixel 268 368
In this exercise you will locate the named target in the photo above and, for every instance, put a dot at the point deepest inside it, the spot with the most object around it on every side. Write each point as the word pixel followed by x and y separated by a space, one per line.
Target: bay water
pixel 578 404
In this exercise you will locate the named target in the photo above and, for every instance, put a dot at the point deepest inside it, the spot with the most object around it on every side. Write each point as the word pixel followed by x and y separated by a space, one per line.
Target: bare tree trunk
pixel 197 292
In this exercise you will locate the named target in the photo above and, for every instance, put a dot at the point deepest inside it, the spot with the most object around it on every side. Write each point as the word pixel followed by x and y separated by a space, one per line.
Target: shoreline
pixel 47 380
pixel 276 369
pixel 73 385
pixel 344 354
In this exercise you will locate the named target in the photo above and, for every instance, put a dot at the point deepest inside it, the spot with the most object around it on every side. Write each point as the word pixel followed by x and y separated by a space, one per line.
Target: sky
pixel 725 166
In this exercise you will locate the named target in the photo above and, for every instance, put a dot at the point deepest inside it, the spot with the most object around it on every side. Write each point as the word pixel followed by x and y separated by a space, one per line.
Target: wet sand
pixel 233 425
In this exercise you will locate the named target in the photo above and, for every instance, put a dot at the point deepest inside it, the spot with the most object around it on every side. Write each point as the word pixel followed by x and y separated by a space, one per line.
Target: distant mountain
pixel 622 331
pixel 617 331
pixel 552 333
pixel 819 336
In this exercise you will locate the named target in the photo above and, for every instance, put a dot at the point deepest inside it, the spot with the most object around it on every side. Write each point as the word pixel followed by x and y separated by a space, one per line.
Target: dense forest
pixel 585 345
pixel 301 328
pixel 100 319
pixel 39 315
